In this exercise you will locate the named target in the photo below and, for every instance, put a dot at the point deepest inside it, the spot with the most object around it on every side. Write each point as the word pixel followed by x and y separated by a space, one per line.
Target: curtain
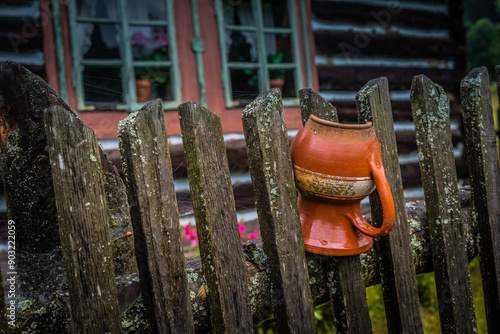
pixel 136 10
pixel 245 16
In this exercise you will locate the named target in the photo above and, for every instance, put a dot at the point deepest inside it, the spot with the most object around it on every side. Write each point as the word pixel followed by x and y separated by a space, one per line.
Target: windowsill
pixel 98 107
pixel 287 102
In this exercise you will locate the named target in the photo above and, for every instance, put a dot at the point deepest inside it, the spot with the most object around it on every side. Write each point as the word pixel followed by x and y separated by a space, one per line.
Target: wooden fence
pixel 232 298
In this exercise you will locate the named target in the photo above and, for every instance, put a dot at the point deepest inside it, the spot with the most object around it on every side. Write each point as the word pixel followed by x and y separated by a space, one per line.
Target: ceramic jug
pixel 335 167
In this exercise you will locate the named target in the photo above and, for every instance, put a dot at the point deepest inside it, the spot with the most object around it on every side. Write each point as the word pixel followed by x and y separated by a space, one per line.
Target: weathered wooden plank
pixel 213 203
pixel 348 295
pixel 432 125
pixel 344 274
pixel 83 222
pixel 27 179
pixel 481 151
pixel 311 103
pixel 497 70
pixel 276 202
pixel 29 186
pixel 260 285
pixel 157 235
pixel 399 283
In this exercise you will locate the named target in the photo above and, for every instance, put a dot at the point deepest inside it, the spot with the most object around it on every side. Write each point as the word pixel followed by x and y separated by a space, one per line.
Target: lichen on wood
pixel 215 215
pixel 259 284
pixel 83 222
pixel 430 108
pixel 481 152
pixel 146 161
pixel 276 203
pixel 399 284
pixel 29 185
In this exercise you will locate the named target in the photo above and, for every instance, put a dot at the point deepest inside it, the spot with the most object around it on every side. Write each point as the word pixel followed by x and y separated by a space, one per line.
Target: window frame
pixel 126 64
pixel 262 65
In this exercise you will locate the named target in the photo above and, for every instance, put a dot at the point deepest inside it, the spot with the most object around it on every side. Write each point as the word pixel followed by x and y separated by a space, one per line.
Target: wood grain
pixel 83 222
pixel 216 223
pixel 432 124
pixel 276 202
pixel 399 282
pixel 157 235
pixel 481 151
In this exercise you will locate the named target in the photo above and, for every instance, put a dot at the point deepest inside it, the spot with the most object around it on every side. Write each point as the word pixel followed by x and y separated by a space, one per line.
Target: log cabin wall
pixel 360 40
pixel 22 31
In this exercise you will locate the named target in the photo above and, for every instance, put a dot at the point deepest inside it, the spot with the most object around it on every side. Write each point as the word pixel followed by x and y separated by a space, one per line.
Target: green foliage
pixel 483 40
pixel 158 75
pixel 276 73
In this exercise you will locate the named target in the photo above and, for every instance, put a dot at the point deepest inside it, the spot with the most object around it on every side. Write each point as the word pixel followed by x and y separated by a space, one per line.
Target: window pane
pixel 102 84
pixel 284 80
pixel 241 46
pixel 149 43
pixel 160 83
pixel 98 41
pixel 244 84
pixel 144 10
pixel 278 48
pixel 275 14
pixel 97 9
pixel 238 12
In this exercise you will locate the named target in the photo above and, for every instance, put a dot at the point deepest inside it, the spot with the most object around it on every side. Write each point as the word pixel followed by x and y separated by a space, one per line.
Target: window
pixel 259 48
pixel 115 43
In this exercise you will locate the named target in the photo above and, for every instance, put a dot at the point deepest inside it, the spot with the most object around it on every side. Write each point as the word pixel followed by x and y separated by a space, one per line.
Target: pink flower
pixel 161 36
pixel 138 39
pixel 241 227
pixel 190 234
pixel 254 235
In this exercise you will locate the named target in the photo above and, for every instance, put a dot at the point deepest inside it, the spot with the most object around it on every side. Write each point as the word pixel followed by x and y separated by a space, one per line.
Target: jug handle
pixel 384 192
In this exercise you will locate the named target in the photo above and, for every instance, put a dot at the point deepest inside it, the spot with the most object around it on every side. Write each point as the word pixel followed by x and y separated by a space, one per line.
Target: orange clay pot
pixel 143 89
pixel 336 166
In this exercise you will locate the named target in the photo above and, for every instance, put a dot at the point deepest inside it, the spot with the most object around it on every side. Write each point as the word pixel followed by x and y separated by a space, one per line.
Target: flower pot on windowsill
pixel 143 89
pixel 277 83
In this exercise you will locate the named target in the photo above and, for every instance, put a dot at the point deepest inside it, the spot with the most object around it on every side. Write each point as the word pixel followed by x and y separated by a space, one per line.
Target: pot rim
pixel 340 125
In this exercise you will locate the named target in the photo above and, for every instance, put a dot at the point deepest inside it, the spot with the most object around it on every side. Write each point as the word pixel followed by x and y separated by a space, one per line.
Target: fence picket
pixel 216 222
pixel 344 273
pixel 399 282
pixel 313 103
pixel 83 222
pixel 157 235
pixel 431 110
pixel 481 151
pixel 276 202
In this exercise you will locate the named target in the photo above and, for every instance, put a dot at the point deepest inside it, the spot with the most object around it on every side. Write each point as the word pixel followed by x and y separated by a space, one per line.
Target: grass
pixel 428 302
pixel 494 103
pixel 428 307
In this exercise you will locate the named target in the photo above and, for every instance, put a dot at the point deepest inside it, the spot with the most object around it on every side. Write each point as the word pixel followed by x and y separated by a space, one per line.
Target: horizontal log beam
pixel 335 43
pixel 353 77
pixel 389 14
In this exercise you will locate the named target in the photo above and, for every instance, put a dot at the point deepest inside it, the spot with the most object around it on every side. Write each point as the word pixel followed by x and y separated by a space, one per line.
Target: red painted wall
pixel 106 123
